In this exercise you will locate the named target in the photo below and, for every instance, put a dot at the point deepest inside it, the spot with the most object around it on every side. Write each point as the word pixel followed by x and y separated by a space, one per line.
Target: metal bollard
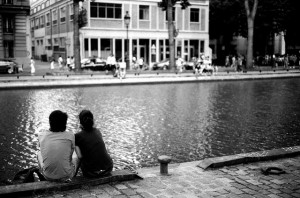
pixel 164 160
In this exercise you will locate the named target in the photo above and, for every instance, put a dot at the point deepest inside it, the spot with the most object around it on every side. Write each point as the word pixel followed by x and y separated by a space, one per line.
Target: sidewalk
pixel 186 180
pixel 63 78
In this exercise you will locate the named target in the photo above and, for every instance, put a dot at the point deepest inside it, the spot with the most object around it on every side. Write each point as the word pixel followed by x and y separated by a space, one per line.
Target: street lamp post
pixel 127 21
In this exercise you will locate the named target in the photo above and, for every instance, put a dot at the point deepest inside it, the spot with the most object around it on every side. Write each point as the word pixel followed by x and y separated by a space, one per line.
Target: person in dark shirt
pixel 95 160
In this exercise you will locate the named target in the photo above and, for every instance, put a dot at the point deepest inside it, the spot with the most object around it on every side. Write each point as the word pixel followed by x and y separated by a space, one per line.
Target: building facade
pixel 14 30
pixel 106 32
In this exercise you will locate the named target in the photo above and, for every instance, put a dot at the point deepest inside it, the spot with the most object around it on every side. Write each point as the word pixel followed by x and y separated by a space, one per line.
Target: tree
pixel 230 18
pixel 77 59
pixel 251 8
pixel 167 5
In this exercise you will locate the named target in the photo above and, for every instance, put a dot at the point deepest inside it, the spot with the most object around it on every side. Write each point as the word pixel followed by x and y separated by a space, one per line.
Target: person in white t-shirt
pixel 56 157
pixel 32 66
pixel 60 62
pixel 69 63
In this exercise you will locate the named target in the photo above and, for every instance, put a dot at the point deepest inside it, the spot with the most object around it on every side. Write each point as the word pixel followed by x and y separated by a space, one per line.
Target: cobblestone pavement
pixel 186 180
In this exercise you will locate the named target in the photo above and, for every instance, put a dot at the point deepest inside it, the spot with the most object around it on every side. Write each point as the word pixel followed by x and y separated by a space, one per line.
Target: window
pixel 47 3
pixel 55 41
pixel 144 12
pixel 42 21
pixel 37 23
pixel 32 24
pixel 71 12
pixel 62 14
pixel 173 14
pixel 62 42
pixel 48 19
pixel 8 49
pixel 43 6
pixel 54 17
pixel 8 24
pixel 106 10
pixel 194 15
pixel 7 1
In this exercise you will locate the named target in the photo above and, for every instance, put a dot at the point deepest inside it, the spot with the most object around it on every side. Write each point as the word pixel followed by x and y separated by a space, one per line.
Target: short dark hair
pixel 58 121
pixel 86 119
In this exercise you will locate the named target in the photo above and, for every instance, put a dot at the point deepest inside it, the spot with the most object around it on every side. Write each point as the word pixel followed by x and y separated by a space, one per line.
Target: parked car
pixel 8 66
pixel 164 64
pixel 93 64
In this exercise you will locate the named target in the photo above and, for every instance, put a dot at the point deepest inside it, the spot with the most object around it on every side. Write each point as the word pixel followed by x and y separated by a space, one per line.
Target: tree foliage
pixel 164 4
pixel 228 18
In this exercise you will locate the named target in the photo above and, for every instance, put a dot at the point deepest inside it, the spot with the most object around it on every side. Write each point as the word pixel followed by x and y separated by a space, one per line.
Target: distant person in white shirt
pixel 69 63
pixel 60 62
pixel 72 63
pixel 179 64
pixel 111 63
pixel 52 64
pixel 32 66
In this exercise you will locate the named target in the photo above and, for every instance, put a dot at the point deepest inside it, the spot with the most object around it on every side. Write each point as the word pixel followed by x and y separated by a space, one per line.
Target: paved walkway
pixel 43 77
pixel 186 180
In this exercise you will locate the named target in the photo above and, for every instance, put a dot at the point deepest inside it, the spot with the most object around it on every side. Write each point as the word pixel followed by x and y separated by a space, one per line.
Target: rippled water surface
pixel 188 121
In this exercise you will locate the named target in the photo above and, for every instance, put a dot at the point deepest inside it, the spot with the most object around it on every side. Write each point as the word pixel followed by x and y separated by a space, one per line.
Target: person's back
pixel 56 149
pixel 95 159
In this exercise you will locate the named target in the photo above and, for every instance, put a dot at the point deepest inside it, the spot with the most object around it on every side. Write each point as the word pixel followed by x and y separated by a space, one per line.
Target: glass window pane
pixel 102 12
pixel 110 12
pixel 93 11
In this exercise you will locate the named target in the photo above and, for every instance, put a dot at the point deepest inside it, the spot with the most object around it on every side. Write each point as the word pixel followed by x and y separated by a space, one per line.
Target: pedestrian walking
pixel 141 63
pixel 69 63
pixel 60 62
pixel 52 64
pixel 32 66
pixel 179 64
pixel 72 63
pixel 111 63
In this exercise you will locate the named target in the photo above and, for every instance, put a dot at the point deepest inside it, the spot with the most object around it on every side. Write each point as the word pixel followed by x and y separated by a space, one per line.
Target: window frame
pixel 54 17
pixel 42 21
pixel 8 24
pixel 106 10
pixel 62 14
pixel 8 2
pixel 143 9
pixel 195 15
pixel 48 21
pixel 71 12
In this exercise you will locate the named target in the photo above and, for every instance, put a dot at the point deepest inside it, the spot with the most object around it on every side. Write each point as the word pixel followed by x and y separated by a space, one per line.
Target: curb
pixel 230 160
pixel 93 80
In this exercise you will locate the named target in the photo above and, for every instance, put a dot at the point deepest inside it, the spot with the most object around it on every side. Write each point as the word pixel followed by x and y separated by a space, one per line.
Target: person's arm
pixel 78 152
pixel 79 156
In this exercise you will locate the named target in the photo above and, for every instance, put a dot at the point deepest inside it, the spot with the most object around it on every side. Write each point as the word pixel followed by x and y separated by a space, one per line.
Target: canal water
pixel 188 121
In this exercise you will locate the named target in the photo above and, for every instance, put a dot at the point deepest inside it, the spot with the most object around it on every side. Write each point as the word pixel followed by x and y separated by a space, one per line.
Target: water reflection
pixel 187 121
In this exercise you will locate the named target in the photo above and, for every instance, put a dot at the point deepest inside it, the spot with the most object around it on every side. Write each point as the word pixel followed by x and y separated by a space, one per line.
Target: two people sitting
pixel 62 153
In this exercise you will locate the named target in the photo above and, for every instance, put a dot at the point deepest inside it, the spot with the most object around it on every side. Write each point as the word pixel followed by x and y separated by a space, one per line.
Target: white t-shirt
pixel 60 60
pixel 141 61
pixel 57 149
